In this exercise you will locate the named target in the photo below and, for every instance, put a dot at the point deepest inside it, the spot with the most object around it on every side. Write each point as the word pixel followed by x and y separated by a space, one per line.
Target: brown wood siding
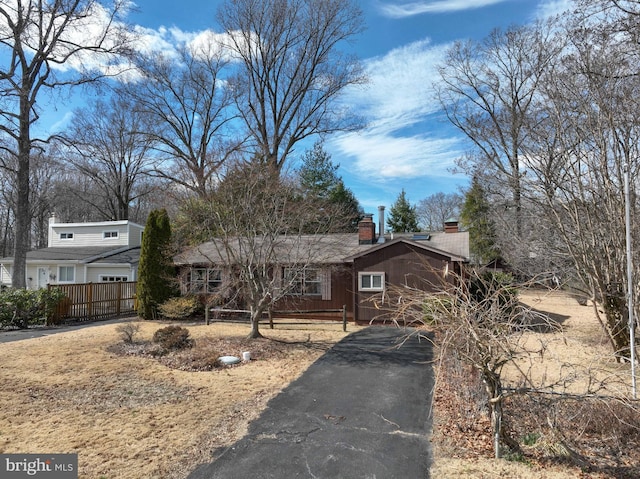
pixel 402 264
pixel 341 294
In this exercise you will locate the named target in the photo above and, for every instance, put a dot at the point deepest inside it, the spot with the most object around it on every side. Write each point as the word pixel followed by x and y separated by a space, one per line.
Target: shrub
pixel 128 332
pixel 494 291
pixel 59 308
pixel 179 308
pixel 172 338
pixel 20 308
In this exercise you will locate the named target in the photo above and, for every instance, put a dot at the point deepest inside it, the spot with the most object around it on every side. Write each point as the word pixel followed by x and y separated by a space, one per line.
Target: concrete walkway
pixel 361 411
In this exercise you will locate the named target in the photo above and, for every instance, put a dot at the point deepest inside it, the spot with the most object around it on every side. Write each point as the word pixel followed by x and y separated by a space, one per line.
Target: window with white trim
pixel 66 236
pixel 113 279
pixel 109 234
pixel 303 281
pixel 205 280
pixel 368 281
pixel 66 274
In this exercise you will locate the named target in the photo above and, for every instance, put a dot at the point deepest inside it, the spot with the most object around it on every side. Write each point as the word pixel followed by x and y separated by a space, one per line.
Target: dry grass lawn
pixel 133 417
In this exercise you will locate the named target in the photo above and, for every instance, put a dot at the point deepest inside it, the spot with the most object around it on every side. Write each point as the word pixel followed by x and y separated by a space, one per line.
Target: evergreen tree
pixel 402 216
pixel 348 207
pixel 475 217
pixel 321 185
pixel 318 175
pixel 155 270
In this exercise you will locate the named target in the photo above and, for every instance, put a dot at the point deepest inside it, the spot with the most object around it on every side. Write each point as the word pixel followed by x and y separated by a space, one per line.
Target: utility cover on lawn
pixel 228 360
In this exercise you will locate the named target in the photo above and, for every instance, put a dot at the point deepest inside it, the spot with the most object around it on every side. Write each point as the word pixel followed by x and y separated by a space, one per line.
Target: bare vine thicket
pixel 479 321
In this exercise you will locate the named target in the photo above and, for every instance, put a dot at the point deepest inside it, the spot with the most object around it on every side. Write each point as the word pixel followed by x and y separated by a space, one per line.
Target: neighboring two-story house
pixel 103 251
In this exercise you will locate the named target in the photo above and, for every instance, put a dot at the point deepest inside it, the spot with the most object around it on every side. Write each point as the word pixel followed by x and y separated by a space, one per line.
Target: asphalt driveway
pixel 361 411
pixel 9 336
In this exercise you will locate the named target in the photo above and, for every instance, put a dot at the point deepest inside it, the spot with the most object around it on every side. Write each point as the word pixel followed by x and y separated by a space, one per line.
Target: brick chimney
pixel 451 226
pixel 367 230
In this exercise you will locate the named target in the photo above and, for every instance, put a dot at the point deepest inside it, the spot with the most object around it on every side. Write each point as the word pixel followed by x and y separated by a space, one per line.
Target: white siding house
pixel 107 233
pixel 82 253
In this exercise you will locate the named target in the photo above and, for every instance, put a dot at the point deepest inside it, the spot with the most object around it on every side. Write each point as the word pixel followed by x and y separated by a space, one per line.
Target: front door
pixel 42 277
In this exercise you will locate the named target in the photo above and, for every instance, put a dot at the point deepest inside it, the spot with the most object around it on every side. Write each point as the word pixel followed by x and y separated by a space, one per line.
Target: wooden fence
pixel 91 301
pixel 218 313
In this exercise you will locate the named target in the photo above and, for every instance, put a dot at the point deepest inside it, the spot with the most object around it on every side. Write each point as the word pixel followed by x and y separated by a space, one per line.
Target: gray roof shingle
pixel 316 249
pixel 84 254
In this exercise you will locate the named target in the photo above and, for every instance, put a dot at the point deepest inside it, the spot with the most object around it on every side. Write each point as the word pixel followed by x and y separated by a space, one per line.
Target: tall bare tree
pixel 190 114
pixel 291 69
pixel 106 142
pixel 435 209
pixel 7 207
pixel 41 42
pixel 587 136
pixel 488 90
pixel 44 176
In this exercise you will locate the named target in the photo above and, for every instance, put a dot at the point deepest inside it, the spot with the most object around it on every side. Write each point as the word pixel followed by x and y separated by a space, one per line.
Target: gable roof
pixel 421 245
pixel 320 249
pixel 125 255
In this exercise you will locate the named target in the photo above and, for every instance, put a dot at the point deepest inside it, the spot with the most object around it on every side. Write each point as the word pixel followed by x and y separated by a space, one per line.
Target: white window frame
pixel 113 278
pixel 302 281
pixel 66 267
pixel 110 234
pixel 205 280
pixel 371 275
pixel 66 236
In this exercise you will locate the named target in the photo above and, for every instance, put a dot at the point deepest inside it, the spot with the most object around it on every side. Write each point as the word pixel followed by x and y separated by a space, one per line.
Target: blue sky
pixel 407 143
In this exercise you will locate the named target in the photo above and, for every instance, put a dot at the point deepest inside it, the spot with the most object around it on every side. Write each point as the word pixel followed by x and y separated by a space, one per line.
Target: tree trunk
pixel 255 324
pixel 23 214
pixel 616 313
pixel 493 385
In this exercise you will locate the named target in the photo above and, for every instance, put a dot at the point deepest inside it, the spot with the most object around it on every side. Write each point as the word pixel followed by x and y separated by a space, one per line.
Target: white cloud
pixel 381 157
pixel 400 90
pixel 155 41
pixel 398 98
pixel 438 6
pixel 552 8
pixel 91 31
pixel 88 30
pixel 166 41
pixel 62 123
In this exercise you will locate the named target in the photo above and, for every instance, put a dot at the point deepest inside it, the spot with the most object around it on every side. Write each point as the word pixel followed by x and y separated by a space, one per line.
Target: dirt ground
pixel 134 417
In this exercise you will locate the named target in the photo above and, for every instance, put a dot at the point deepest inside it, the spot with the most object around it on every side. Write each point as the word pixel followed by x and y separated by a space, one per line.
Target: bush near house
pixel 173 338
pixel 181 307
pixel 491 291
pixel 494 290
pixel 21 308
